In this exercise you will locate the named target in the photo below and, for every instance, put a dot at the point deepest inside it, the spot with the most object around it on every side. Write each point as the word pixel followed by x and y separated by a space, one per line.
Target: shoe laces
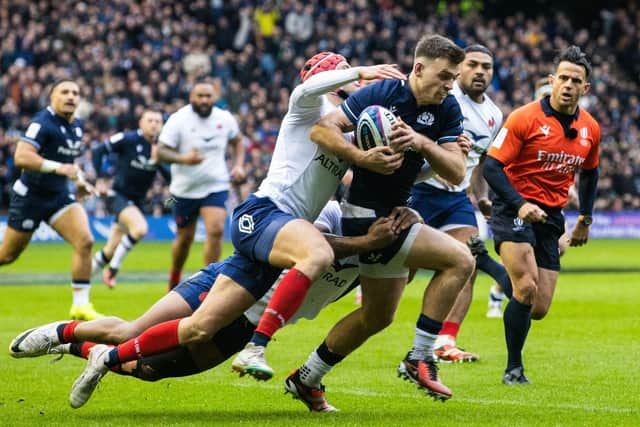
pixel 432 369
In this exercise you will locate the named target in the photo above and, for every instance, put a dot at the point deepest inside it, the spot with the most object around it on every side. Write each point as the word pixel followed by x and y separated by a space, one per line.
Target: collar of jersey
pixel 545 103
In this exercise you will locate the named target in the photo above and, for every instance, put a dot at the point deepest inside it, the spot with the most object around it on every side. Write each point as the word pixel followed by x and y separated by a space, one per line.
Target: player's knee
pixel 323 257
pixel 527 288
pixel 83 243
pixel 375 324
pixel 196 332
pixel 215 233
pixel 539 313
pixel 139 231
pixel 464 262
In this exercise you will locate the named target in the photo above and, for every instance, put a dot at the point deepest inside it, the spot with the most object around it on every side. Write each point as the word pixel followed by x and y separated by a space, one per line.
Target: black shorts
pixel 506 226
pixel 121 201
pixel 232 338
pixel 28 209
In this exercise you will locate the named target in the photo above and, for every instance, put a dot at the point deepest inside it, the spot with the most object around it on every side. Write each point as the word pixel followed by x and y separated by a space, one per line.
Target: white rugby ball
pixel 374 127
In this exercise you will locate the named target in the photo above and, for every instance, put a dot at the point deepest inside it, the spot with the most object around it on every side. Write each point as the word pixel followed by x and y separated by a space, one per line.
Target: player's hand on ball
pixel 402 137
pixel 381 72
pixel 530 212
pixel 382 160
pixel 192 158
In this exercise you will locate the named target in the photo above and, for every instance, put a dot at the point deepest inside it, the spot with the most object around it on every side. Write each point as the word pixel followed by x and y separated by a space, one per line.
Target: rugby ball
pixel 374 127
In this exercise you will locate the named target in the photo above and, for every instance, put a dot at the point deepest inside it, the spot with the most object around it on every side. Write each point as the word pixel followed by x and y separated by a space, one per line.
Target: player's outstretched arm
pixel 381 234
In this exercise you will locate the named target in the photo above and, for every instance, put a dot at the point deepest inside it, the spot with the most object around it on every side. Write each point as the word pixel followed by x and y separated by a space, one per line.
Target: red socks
pixel 450 328
pixel 67 332
pixel 84 349
pixel 156 339
pixel 286 300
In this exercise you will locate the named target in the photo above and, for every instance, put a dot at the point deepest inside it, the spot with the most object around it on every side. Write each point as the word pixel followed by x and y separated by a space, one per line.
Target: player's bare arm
pixel 169 155
pixel 237 173
pixel 380 234
pixel 480 189
pixel 27 157
pixel 447 160
pixel 328 134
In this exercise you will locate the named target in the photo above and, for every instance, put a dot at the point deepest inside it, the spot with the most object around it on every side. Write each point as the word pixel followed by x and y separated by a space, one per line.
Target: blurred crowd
pixel 129 55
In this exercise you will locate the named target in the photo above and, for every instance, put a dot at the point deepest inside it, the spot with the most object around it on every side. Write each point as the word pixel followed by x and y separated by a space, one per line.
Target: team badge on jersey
pixel 426 119
pixel 245 224
pixel 518 224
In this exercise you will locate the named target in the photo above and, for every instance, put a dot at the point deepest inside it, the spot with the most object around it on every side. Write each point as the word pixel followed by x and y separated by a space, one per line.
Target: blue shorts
pixel 28 209
pixel 254 226
pixel 506 226
pixel 233 337
pixel 256 278
pixel 185 211
pixel 120 202
pixel 442 209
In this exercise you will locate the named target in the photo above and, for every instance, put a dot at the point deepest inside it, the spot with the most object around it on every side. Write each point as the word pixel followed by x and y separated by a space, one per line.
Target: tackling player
pixel 269 228
pixel 46 156
pixel 79 338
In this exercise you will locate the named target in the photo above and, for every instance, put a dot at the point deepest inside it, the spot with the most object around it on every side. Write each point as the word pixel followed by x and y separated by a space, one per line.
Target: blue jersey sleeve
pixel 452 121
pixel 374 94
pixel 36 134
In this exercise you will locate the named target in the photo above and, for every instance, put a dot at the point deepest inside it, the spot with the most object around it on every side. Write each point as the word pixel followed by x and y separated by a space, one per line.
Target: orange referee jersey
pixel 540 161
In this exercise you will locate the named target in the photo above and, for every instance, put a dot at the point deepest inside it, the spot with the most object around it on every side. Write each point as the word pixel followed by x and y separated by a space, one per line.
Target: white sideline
pixel 488 402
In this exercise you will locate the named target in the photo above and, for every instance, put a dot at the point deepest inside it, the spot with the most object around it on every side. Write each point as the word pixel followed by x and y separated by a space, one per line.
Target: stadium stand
pixel 128 55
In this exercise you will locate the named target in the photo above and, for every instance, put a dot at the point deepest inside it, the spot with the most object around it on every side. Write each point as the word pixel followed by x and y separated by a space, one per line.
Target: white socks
pixel 80 292
pixel 314 369
pixel 423 344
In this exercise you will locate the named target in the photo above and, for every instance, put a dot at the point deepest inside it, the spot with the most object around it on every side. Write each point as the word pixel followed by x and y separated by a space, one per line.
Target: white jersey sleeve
pixel 170 133
pixel 302 176
pixel 309 92
pixel 329 218
pixel 234 129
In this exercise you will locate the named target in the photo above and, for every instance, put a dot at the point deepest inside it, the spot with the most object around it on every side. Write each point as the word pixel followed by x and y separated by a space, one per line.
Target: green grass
pixel 582 359
pixel 154 256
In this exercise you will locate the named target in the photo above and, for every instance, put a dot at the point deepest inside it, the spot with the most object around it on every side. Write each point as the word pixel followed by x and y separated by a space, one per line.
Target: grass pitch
pixel 582 358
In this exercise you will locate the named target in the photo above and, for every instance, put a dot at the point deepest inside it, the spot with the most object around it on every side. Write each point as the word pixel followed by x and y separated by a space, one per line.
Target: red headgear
pixel 320 62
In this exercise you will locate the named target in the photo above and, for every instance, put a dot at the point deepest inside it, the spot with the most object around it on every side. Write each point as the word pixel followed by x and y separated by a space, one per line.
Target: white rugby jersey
pixel 302 177
pixel 481 124
pixel 186 130
pixel 331 284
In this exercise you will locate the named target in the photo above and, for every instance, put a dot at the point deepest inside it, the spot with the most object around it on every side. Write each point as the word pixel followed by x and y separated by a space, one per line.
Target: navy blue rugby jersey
pixel 55 139
pixel 441 123
pixel 134 168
